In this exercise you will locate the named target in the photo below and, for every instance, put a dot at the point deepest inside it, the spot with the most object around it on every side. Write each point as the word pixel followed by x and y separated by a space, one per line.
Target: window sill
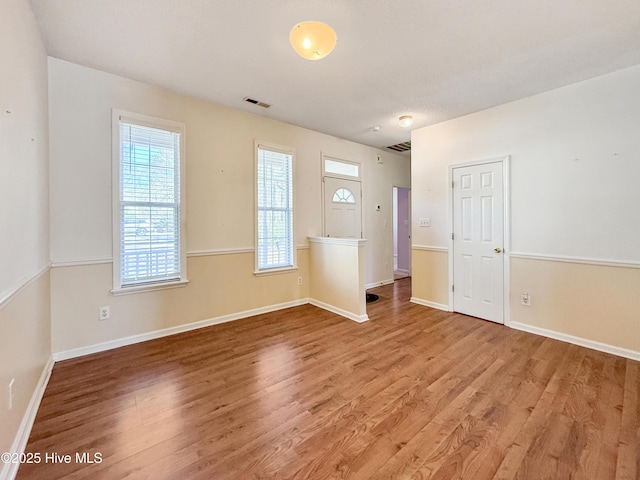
pixel 149 287
pixel 275 271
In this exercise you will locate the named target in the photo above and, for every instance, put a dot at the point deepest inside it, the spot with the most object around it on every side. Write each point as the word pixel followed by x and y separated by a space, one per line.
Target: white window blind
pixel 275 209
pixel 150 243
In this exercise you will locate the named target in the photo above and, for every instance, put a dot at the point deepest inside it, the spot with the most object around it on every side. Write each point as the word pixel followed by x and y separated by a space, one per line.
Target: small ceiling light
pixel 375 128
pixel 313 40
pixel 405 121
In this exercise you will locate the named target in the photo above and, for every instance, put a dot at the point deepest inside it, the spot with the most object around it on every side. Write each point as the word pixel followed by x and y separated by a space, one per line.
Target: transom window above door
pixel 343 195
pixel 335 167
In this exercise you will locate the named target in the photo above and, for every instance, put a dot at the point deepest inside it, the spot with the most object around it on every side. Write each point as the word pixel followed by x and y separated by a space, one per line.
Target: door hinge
pixel 453 184
pixel 453 288
pixel 452 237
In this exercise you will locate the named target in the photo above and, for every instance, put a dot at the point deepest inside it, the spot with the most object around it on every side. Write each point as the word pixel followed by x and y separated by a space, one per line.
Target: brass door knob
pixel 497 249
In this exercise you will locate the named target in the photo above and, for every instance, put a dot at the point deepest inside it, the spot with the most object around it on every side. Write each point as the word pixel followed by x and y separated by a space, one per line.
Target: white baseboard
pixel 339 311
pixel 403 272
pixel 165 332
pixel 143 337
pixel 9 470
pixel 427 303
pixel 388 281
pixel 583 342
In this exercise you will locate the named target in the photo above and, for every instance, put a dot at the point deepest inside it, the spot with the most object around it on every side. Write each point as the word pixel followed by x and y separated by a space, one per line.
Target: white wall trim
pixel 81 262
pixel 351 242
pixel 165 332
pixel 8 295
pixel 388 281
pixel 583 342
pixel 275 271
pixel 148 287
pixel 339 311
pixel 219 251
pixel 9 470
pixel 403 272
pixel 427 303
pixel 584 260
pixel 429 248
pixel 77 262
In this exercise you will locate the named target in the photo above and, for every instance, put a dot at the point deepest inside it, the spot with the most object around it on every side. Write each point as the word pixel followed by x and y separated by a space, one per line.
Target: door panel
pixel 478 235
pixel 342 208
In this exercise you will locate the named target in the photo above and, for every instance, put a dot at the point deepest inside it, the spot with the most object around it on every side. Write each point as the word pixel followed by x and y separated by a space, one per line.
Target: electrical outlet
pixel 424 222
pixel 299 280
pixel 104 313
pixel 13 380
pixel 525 299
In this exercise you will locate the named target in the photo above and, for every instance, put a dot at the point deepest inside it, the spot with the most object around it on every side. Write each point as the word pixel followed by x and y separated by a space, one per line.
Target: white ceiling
pixel 433 59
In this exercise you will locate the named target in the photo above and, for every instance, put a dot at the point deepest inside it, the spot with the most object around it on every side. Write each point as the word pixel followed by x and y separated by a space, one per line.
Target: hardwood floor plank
pixel 627 463
pixel 609 413
pixel 305 394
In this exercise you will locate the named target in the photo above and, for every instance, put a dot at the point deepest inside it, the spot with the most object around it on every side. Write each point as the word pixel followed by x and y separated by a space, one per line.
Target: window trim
pixel 144 120
pixel 334 158
pixel 260 145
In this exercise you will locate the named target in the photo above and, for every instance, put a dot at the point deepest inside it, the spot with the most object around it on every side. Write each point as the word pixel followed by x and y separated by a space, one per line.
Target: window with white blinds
pixel 275 247
pixel 150 244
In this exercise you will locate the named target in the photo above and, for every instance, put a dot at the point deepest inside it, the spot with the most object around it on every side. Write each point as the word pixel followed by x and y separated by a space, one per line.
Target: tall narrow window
pixel 274 174
pixel 149 246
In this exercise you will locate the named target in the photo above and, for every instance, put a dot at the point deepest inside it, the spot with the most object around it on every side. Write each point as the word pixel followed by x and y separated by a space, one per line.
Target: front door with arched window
pixel 342 208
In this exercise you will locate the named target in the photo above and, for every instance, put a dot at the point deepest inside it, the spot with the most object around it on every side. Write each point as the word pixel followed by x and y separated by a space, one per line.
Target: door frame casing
pixel 358 179
pixel 506 249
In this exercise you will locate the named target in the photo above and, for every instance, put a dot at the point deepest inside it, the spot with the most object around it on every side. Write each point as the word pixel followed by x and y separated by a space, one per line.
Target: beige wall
pixel 575 164
pixel 220 206
pixel 337 276
pixel 218 285
pixel 430 268
pixel 25 348
pixel 24 216
pixel 595 302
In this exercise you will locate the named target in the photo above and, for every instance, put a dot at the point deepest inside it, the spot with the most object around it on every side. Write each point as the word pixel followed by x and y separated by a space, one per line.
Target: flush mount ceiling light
pixel 313 40
pixel 405 121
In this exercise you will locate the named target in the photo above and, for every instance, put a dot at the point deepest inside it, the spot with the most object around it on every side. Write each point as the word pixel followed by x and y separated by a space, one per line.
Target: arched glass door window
pixel 343 195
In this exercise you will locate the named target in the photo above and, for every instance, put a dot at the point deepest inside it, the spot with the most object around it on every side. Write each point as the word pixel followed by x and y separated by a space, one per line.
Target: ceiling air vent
pixel 400 147
pixel 256 102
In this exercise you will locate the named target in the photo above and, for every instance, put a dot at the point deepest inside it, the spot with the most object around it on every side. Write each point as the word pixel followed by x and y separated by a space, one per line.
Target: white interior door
pixel 342 208
pixel 478 239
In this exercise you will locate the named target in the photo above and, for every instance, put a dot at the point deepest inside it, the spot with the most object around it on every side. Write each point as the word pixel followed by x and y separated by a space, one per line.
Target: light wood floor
pixel 414 393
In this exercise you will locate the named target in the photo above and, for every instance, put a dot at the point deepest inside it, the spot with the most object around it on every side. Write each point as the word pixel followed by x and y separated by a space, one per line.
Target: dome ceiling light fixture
pixel 313 40
pixel 405 121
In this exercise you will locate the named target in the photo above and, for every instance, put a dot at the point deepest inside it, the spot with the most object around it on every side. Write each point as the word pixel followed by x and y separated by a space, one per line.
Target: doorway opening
pixel 401 232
